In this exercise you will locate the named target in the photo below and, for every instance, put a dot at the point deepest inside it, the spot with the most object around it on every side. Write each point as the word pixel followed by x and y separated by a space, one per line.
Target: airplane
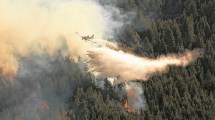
pixel 86 38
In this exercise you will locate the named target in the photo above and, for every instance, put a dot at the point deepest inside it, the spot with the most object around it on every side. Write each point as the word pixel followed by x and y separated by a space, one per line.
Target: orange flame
pixel 128 108
pixel 44 106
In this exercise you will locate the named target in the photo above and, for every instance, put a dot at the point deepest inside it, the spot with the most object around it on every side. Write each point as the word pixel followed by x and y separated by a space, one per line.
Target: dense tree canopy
pixel 160 27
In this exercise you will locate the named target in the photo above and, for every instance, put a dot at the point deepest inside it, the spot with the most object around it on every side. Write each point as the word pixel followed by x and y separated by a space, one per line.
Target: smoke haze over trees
pixel 56 87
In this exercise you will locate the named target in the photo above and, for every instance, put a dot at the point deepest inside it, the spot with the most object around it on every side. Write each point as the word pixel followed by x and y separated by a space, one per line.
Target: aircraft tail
pixel 78 34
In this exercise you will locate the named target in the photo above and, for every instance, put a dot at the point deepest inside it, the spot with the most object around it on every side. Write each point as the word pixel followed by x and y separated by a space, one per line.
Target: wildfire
pixel 128 108
pixel 44 106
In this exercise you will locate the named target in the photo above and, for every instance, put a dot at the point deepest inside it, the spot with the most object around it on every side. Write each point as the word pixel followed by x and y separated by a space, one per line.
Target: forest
pixel 160 27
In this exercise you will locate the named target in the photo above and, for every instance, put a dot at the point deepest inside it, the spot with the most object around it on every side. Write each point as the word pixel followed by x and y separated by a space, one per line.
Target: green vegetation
pixel 183 93
pixel 161 27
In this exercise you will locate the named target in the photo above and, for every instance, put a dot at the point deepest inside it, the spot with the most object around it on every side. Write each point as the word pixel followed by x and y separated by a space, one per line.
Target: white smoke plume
pixel 127 67
pixel 106 62
pixel 37 27
pixel 136 101
pixel 41 28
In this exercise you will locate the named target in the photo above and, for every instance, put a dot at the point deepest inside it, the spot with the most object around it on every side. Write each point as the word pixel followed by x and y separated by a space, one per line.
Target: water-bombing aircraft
pixel 86 38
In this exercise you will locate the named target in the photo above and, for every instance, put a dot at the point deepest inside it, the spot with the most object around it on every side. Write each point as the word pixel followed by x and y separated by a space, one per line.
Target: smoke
pixel 136 101
pixel 8 62
pixel 106 62
pixel 41 88
pixel 38 27
pixel 32 33
pixel 44 27
pixel 127 67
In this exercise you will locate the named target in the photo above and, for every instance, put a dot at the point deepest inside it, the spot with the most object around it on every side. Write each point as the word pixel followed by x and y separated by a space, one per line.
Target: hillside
pixel 56 87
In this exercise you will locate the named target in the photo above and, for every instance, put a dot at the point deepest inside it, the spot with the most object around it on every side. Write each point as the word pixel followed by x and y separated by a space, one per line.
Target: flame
pixel 44 106
pixel 45 26
pixel 128 108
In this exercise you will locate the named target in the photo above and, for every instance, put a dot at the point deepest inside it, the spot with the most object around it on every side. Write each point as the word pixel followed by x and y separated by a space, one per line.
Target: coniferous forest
pixel 159 27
